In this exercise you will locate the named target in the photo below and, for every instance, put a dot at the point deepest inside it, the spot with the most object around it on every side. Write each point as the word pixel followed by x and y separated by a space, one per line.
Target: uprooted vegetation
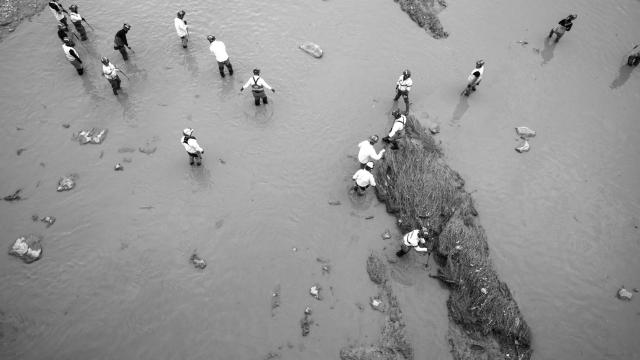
pixel 421 190
pixel 425 14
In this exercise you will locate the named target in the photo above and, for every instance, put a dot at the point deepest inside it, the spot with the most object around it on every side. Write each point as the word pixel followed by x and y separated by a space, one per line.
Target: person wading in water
pixel 257 87
pixel 120 41
pixel 191 145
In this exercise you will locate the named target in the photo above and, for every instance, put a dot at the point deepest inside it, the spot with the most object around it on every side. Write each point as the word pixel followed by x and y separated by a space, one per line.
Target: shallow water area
pixel 115 280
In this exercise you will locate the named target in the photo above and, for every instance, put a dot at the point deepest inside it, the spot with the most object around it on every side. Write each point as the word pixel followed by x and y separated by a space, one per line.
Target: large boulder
pixel 27 248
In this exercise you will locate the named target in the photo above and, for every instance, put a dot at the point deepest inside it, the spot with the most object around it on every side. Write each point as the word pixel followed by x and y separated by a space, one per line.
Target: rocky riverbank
pixel 12 12
pixel 425 14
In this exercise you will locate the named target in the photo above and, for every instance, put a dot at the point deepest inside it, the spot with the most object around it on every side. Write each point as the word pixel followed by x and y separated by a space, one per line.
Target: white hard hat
pixel 370 165
pixel 187 131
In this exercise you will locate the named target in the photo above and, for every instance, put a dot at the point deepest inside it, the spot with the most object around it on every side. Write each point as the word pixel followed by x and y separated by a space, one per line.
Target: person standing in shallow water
pixel 63 32
pixel 193 148
pixel 182 28
pixel 120 41
pixel 474 78
pixel 110 73
pixel 72 55
pixel 367 152
pixel 563 26
pixel 58 11
pixel 219 50
pixel 403 86
pixel 257 87
pixel 76 20
pixel 363 178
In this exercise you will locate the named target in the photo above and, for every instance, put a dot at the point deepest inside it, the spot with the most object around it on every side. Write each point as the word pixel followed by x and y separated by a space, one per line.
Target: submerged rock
pixel 275 299
pixel 49 220
pixel 376 269
pixel 93 136
pixel 624 294
pixel 306 322
pixel 67 183
pixel 197 261
pixel 27 248
pixel 118 167
pixel 376 304
pixel 525 132
pixel 434 129
pixel 335 203
pixel 312 49
pixel 524 147
pixel 386 235
pixel 13 197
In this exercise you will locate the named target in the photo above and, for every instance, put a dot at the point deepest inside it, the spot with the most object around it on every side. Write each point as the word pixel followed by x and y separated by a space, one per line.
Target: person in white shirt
pixel 219 50
pixel 395 133
pixel 191 145
pixel 367 152
pixel 257 87
pixel 363 179
pixel 414 239
pixel 76 20
pixel 110 73
pixel 58 11
pixel 403 86
pixel 72 55
pixel 474 78
pixel 182 28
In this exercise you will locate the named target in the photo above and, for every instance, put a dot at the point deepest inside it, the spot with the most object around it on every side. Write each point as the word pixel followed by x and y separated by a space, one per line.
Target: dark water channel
pixel 115 282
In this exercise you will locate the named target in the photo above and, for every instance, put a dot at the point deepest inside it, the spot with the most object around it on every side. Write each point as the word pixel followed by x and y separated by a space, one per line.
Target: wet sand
pixel 561 220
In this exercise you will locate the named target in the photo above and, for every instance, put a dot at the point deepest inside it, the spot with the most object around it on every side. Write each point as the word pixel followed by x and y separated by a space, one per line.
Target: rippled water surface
pixel 115 282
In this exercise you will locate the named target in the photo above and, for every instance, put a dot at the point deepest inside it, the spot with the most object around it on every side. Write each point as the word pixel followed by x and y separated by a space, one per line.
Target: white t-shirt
pixel 404 85
pixel 368 153
pixel 398 125
pixel 109 71
pixel 59 15
pixel 67 51
pixel 480 70
pixel 364 178
pixel 219 50
pixel 411 239
pixel 75 17
pixel 191 145
pixel 181 27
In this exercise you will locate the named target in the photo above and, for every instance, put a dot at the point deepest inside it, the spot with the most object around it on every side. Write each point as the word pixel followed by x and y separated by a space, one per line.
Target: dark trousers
pixel 195 158
pixel 63 21
pixel 404 249
pixel 115 84
pixel 221 66
pixel 260 95
pixel 633 60
pixel 185 40
pixel 79 68
pixel 405 96
pixel 123 51
pixel 81 30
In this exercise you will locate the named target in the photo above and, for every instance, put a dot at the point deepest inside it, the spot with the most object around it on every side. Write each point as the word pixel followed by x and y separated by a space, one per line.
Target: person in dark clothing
pixel 63 31
pixel 120 41
pixel 634 56
pixel 58 10
pixel 76 20
pixel 564 25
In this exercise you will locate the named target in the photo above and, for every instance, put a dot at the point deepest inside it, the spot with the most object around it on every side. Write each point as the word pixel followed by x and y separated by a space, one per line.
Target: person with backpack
pixel 258 84
pixel 564 25
pixel 191 145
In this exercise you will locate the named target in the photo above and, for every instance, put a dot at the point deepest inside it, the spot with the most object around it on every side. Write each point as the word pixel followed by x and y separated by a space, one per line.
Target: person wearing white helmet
pixel 72 55
pixel 76 20
pixel 403 86
pixel 415 239
pixel 474 78
pixel 564 25
pixel 110 73
pixel 182 28
pixel 191 145
pixel 367 152
pixel 363 178
pixel 219 50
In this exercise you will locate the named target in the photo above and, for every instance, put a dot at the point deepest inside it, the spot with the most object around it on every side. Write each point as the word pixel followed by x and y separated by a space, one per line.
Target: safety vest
pixel 75 17
pixel 402 119
pixel 187 146
pixel 109 71
pixel 404 85
pixel 67 52
pixel 257 89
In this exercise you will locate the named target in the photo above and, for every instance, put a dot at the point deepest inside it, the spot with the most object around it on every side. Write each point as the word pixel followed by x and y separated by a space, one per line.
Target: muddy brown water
pixel 115 283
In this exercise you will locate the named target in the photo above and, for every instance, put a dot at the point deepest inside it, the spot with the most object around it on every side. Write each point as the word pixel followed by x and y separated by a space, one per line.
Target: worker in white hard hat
pixel 363 178
pixel 367 152
pixel 193 148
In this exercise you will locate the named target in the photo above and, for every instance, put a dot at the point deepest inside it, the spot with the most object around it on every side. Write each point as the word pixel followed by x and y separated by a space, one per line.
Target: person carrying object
pixel 193 148
pixel 399 122
pixel 110 72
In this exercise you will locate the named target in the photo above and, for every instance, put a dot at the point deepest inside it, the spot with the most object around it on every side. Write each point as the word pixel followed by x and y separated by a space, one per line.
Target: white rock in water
pixel 67 183
pixel 624 294
pixel 524 147
pixel 312 49
pixel 525 132
pixel 27 248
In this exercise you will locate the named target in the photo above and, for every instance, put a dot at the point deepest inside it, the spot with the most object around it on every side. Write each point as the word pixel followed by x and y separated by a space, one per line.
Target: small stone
pixel 335 203
pixel 624 294
pixel 386 235
pixel 118 167
pixel 294 249
pixel 49 220
pixel 197 261
pixel 524 132
pixel 66 126
pixel 67 183
pixel 127 159
pixel 315 291
pixel 376 304
pixel 434 129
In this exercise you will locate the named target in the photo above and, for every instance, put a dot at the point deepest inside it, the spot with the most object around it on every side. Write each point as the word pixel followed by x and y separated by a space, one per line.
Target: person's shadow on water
pixel 547 52
pixel 201 175
pixel 623 76
pixel 461 108
pixel 191 63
